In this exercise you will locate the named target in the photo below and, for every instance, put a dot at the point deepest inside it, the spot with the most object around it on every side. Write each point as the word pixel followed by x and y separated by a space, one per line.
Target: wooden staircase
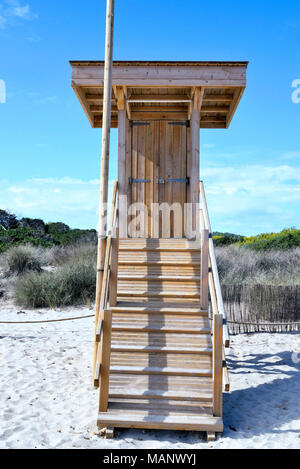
pixel 157 364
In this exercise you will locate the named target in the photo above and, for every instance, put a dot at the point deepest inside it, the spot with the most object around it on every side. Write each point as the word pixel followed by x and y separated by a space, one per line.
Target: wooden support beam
pixel 180 107
pixel 160 98
pixel 96 109
pixel 211 436
pixel 96 98
pixel 122 180
pixel 109 433
pixel 198 98
pixel 214 109
pixel 237 96
pixel 194 166
pixel 213 125
pixel 84 103
pixel 180 116
pixel 213 119
pixel 120 98
pixel 217 364
pixel 224 98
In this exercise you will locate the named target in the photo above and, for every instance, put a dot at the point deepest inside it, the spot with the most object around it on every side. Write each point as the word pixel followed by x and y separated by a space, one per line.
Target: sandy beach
pixel 47 399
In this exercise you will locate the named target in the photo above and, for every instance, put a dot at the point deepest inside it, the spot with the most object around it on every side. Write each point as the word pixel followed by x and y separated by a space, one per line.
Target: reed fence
pixel 262 308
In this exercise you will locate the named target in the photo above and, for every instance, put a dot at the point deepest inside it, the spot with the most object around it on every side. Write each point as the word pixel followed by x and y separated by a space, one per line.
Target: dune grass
pixel 73 284
pixel 239 265
pixel 21 259
pixel 69 275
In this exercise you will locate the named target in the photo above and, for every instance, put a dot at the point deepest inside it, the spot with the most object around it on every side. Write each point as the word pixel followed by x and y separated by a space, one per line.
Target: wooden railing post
pixel 105 360
pixel 204 269
pixel 113 284
pixel 217 364
pixel 99 284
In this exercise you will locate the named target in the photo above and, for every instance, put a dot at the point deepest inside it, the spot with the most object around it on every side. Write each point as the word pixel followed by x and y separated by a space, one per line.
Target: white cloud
pixel 46 100
pixel 254 198
pixel 291 155
pixel 13 9
pixel 70 200
pixel 246 200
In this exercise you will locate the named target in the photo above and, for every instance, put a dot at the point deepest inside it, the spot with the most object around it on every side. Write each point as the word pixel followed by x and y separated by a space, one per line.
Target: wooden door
pixel 158 179
pixel 173 182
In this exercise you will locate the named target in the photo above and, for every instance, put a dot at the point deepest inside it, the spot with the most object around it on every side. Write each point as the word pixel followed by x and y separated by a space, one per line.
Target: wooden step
pixel 163 244
pixel 163 406
pixel 160 271
pixel 160 371
pixel 161 387
pixel 161 339
pixel 159 248
pixel 159 278
pixel 204 399
pixel 133 322
pixel 167 262
pixel 160 349
pixel 173 384
pixel 159 258
pixel 149 415
pixel 125 307
pixel 157 294
pixel 160 285
pixel 132 393
pixel 162 360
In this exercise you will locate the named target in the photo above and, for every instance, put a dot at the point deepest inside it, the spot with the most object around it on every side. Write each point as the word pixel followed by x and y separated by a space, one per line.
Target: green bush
pixel 22 259
pixel 73 284
pixel 286 239
pixel 226 239
pixel 35 237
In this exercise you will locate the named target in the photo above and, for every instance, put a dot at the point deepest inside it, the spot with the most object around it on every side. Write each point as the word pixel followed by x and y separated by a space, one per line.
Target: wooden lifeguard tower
pixel 159 358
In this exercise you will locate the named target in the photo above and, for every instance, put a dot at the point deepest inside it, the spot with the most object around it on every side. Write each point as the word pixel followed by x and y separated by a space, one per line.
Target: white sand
pixel 47 400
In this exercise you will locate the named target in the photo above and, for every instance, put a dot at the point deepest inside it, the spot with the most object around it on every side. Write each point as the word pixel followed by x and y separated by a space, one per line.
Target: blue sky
pixel 50 157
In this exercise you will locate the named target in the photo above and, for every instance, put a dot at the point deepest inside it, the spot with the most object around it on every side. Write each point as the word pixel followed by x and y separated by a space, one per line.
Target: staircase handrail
pixel 214 279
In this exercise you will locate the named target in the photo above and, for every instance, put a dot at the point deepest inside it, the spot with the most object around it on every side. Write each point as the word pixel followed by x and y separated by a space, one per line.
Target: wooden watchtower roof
pixel 158 90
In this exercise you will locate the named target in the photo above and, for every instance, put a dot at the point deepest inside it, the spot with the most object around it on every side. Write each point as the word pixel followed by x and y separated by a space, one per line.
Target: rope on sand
pixel 92 315
pixel 49 320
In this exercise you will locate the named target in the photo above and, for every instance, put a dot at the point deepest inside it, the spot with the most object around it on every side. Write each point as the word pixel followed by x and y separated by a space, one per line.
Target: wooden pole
pixel 217 364
pixel 107 96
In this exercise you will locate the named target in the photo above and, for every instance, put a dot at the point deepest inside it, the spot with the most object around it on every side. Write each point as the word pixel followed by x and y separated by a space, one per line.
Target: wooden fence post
pixel 204 269
pixel 217 364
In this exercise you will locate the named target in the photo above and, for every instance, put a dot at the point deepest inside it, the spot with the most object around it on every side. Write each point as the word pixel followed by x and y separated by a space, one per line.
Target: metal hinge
pixel 132 181
pixel 186 123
